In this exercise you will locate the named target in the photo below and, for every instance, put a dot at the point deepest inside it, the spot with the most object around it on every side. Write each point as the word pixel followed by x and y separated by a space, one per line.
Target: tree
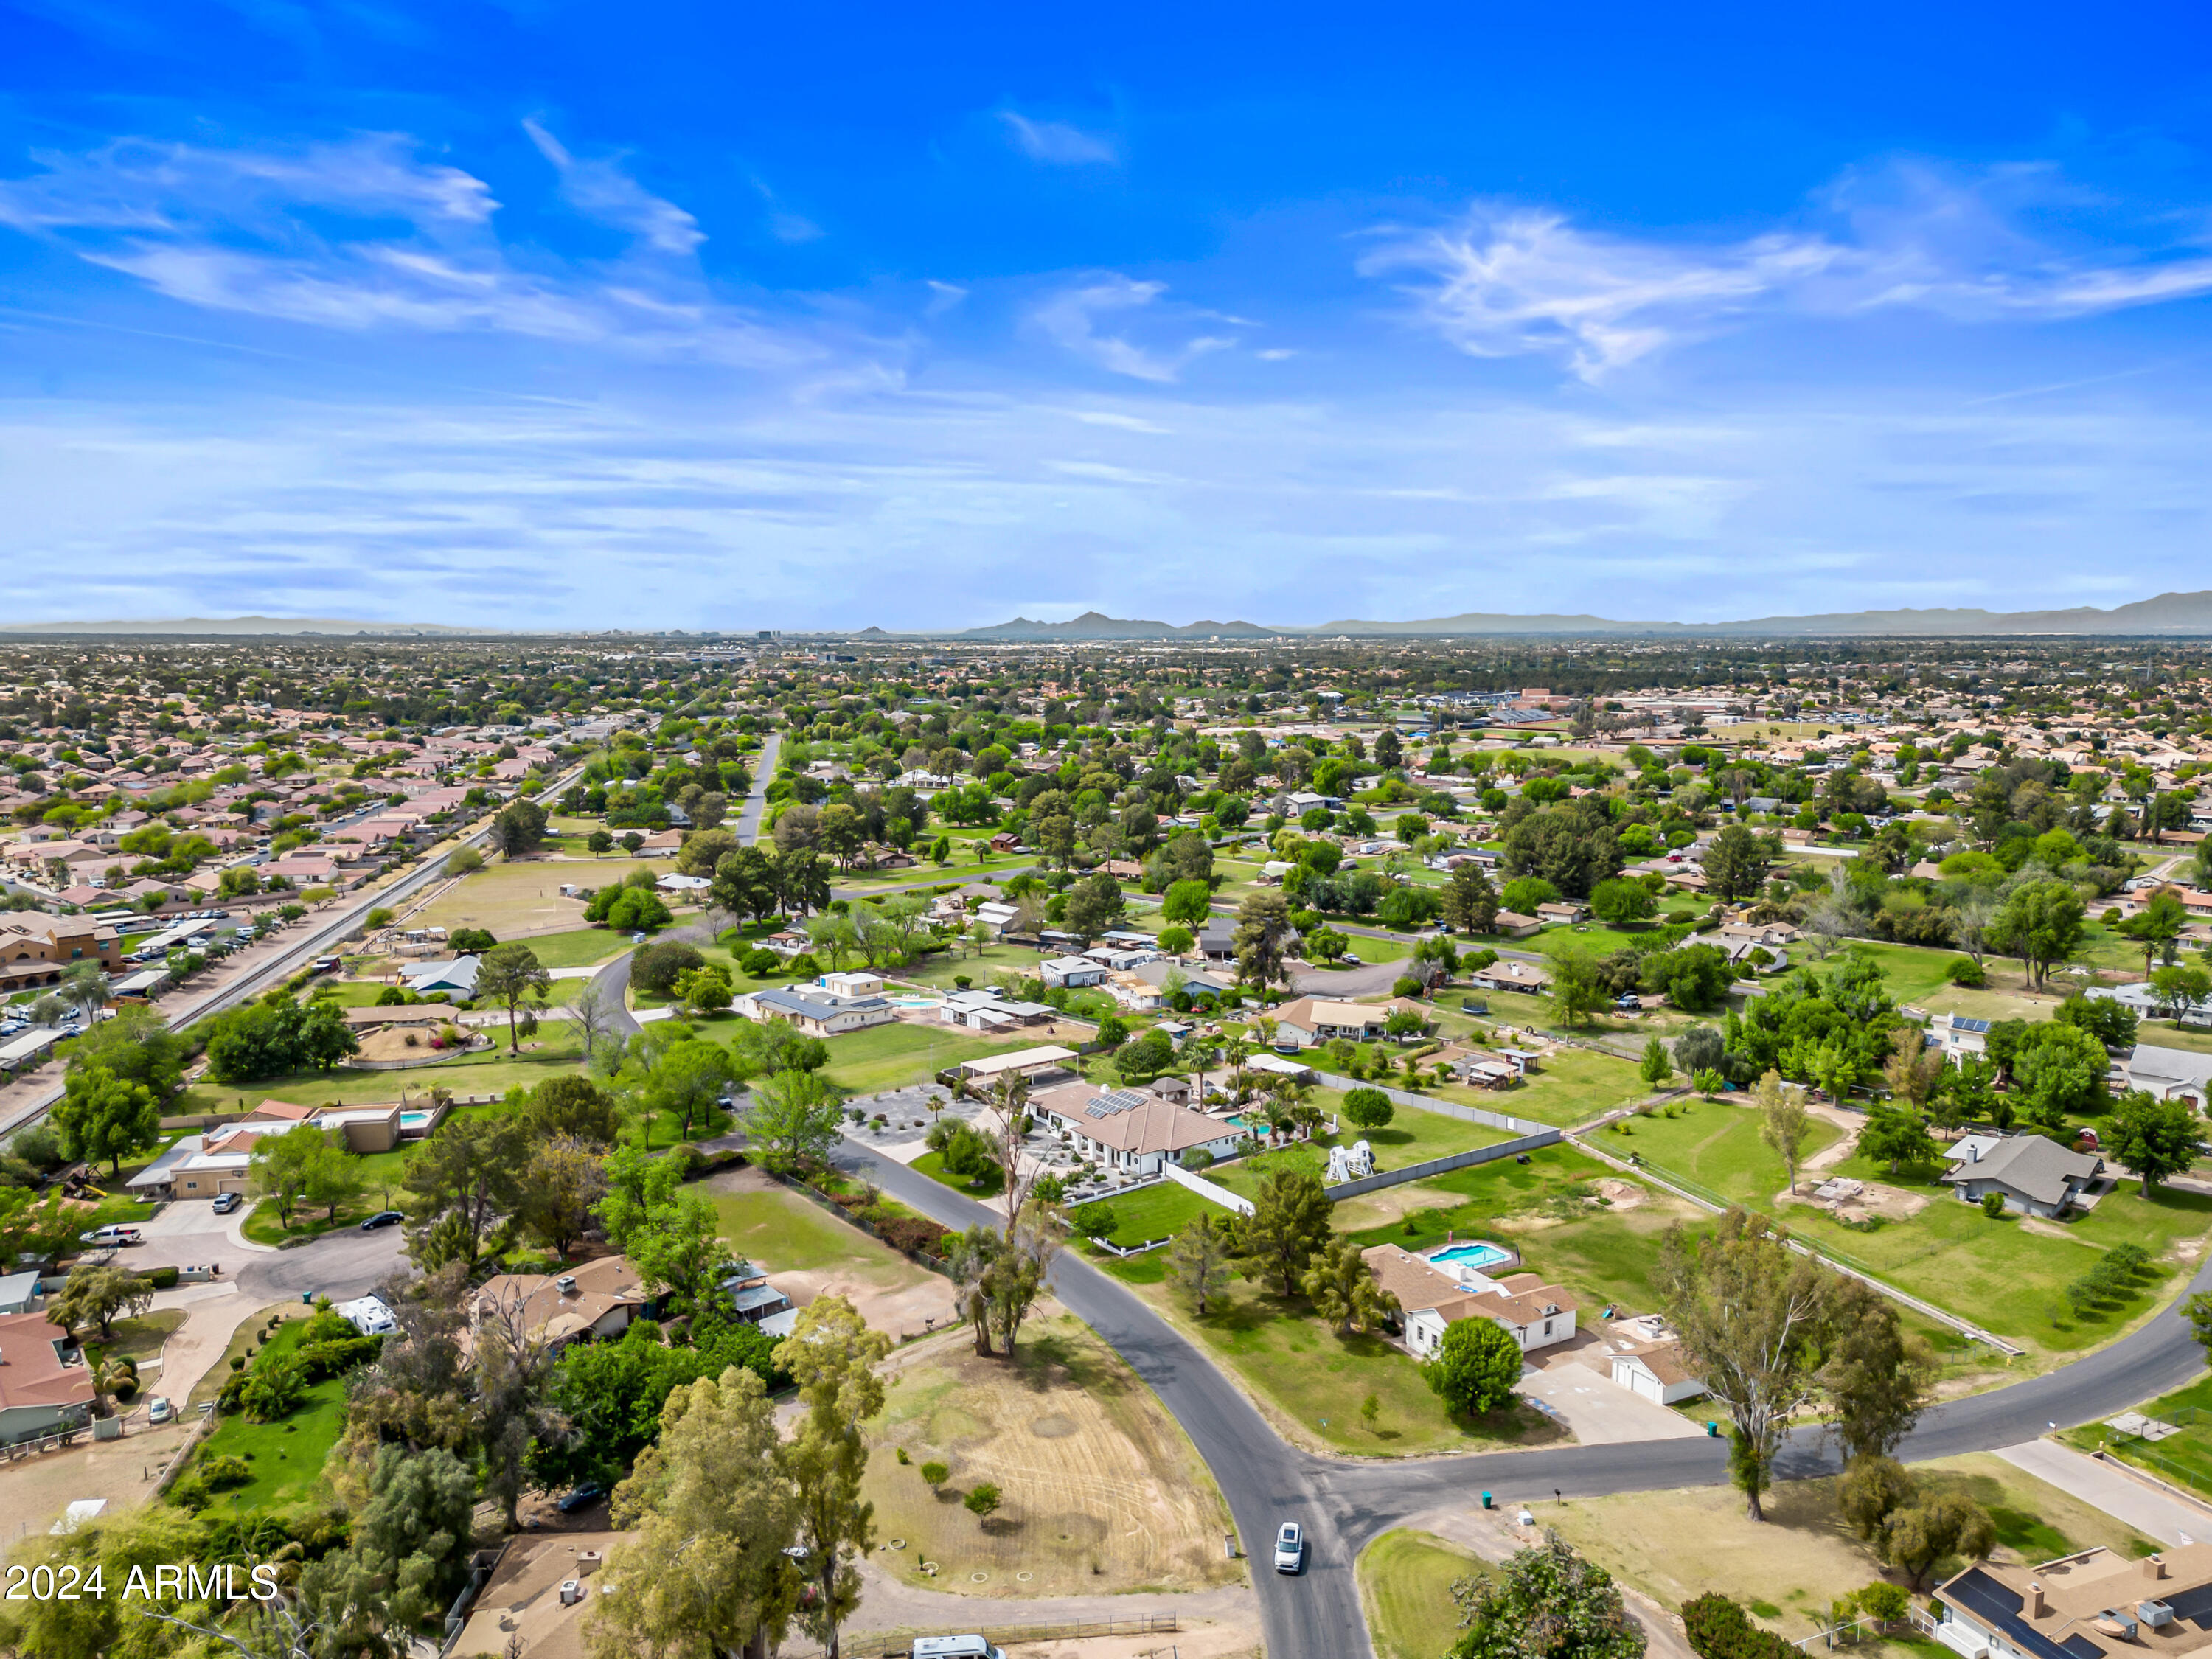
pixel 573 1106
pixel 794 1121
pixel 1655 1069
pixel 745 883
pixel 1913 1069
pixel 702 853
pixel 136 1046
pixel 1343 1291
pixel 1748 1310
pixel 1737 863
pixel 105 1117
pixel 2178 989
pixel 831 1355
pixel 1545 1602
pixel 562 1186
pixel 519 828
pixel 1368 1108
pixel 1874 1486
pixel 2041 923
pixel 1476 1366
pixel 1897 1135
pixel 1470 901
pixel 1783 1122
pixel 685 1079
pixel 100 1296
pixel 2154 1138
pixel 2057 1069
pixel 1094 904
pixel 408 1554
pixel 1616 902
pixel 305 1164
pixel 511 975
pixel 715 1511
pixel 1289 1224
pixel 599 1018
pixel 1700 1048
pixel 982 1499
pixel 1198 1261
pixel 599 843
pixel 1263 931
pixel 1577 992
pixel 656 968
pixel 2156 926
pixel 1924 1533
pixel 1876 1377
pixel 468 1172
pixel 1187 902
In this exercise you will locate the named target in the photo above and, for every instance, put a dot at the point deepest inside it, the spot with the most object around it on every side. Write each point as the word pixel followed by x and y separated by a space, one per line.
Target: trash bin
pixel 307 1297
pixel 1486 1501
pixel 1712 1431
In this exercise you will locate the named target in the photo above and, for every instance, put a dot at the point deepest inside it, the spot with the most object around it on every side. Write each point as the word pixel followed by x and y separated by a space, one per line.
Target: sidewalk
pixel 2155 1514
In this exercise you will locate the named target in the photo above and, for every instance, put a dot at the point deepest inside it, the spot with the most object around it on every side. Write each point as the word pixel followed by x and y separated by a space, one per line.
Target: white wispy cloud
pixel 1069 319
pixel 1506 280
pixel 1058 143
pixel 600 189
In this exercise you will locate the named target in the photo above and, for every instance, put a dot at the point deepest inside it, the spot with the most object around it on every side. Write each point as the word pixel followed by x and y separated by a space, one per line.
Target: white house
pixel 1072 971
pixel 815 1012
pixel 1430 1300
pixel 1655 1370
pixel 2167 1073
pixel 854 983
pixel 1128 1130
pixel 2032 1175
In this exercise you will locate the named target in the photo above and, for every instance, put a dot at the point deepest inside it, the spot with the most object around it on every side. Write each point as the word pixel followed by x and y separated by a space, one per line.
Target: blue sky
pixel 539 314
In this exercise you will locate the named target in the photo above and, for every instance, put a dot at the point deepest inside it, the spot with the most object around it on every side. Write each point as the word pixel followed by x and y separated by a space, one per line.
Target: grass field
pixel 1100 1492
pixel 1311 1378
pixel 783 1231
pixel 485 1071
pixel 942 971
pixel 976 1186
pixel 890 1056
pixel 1405 1585
pixel 585 947
pixel 516 900
pixel 1676 1545
pixel 287 1455
pixel 1573 1085
pixel 1156 1212
pixel 1717 1146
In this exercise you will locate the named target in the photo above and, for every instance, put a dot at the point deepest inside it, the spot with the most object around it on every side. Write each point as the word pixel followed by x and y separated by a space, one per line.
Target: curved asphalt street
pixel 1345 1503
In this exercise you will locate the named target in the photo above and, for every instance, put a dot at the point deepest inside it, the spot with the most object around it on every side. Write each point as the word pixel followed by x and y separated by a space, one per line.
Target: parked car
pixel 112 1234
pixel 1290 1548
pixel 226 1202
pixel 158 1410
pixel 384 1219
pixel 582 1497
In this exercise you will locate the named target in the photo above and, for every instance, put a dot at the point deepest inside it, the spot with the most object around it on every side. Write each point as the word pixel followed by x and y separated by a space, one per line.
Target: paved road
pixel 1345 1504
pixel 747 827
pixel 340 1265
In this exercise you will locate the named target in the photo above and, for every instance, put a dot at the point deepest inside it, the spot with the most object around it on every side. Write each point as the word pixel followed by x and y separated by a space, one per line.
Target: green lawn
pixel 1314 1375
pixel 976 1186
pixel 1717 1146
pixel 1405 1585
pixel 485 1071
pixel 2184 1458
pixel 583 948
pixel 1571 1086
pixel 1412 1136
pixel 786 1233
pixel 941 970
pixel 890 1056
pixel 287 1455
pixel 1157 1211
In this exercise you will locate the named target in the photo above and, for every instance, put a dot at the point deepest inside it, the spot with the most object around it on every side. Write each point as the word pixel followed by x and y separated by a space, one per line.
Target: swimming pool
pixel 414 1120
pixel 1476 1255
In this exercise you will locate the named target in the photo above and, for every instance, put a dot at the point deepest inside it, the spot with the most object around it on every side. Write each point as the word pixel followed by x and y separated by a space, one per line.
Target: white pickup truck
pixel 111 1235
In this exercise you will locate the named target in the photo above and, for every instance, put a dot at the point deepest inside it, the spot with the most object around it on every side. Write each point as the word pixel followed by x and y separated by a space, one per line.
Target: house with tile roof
pixel 1433 1295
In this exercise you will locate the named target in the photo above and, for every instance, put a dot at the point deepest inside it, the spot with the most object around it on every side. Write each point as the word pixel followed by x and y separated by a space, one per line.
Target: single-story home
pixel 1312 1020
pixel 456 975
pixel 1131 1130
pixel 594 1300
pixel 19 1293
pixel 1072 971
pixel 1217 940
pixel 815 1011
pixel 987 1011
pixel 1511 924
pixel 2167 1073
pixel 45 1384
pixel 2034 1175
pixel 1430 1299
pixel 1508 974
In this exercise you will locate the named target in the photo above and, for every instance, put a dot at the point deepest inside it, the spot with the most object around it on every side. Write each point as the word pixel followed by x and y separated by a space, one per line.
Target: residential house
pixel 817 1013
pixel 1072 972
pixel 852 982
pixel 2166 1073
pixel 19 1293
pixel 1217 940
pixel 1960 1038
pixel 1511 924
pixel 45 1384
pixel 1312 1020
pixel 1508 974
pixel 1565 911
pixel 2034 1175
pixel 36 949
pixel 2088 1605
pixel 986 1011
pixel 1129 1130
pixel 455 975
pixel 1430 1299
pixel 595 1300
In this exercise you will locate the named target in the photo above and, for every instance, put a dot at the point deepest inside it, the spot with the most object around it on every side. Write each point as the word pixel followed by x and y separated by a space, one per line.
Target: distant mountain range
pixel 2167 614
pixel 247 625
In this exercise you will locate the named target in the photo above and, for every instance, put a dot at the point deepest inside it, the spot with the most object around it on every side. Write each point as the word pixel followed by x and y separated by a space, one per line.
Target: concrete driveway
pixel 1598 1411
pixel 188 1232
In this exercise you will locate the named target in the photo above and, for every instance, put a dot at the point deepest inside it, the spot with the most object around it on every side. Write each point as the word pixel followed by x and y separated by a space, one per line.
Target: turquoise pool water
pixel 1473 1255
pixel 413 1119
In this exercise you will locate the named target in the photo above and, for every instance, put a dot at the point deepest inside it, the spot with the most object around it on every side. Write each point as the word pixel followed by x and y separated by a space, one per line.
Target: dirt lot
pixel 1101 1491
pixel 517 900
pixel 808 1252
pixel 1678 1545
pixel 34 1491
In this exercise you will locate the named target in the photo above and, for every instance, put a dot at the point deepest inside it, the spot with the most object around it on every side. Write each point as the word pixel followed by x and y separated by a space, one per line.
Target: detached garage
pixel 1656 1372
